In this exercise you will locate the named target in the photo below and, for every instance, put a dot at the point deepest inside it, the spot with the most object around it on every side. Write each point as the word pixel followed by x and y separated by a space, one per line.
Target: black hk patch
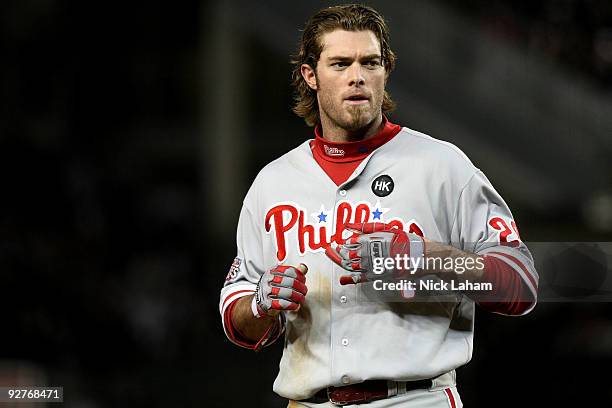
pixel 382 186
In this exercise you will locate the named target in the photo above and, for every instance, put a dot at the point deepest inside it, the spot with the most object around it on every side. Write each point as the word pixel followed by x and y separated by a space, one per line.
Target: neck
pixel 334 133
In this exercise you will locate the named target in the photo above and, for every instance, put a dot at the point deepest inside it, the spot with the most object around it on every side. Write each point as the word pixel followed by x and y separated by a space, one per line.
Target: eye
pixel 372 63
pixel 340 64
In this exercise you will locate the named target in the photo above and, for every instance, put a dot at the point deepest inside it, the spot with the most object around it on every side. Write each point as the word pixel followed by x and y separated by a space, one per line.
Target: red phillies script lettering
pixel 343 217
pixel 286 218
pixel 280 229
pixel 304 229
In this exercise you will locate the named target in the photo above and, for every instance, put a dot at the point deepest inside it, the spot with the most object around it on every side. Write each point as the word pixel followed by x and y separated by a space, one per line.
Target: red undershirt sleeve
pixel 510 294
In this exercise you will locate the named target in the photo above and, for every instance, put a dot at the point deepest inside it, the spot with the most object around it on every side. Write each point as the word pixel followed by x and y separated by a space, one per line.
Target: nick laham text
pixel 432 284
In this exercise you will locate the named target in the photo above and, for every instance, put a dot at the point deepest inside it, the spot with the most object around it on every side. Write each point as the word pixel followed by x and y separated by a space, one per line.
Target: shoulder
pixel 287 164
pixel 421 144
pixel 434 157
pixel 281 170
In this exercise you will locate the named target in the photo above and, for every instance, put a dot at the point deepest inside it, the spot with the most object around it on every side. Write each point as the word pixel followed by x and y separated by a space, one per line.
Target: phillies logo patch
pixel 234 269
pixel 333 151
pixel 288 220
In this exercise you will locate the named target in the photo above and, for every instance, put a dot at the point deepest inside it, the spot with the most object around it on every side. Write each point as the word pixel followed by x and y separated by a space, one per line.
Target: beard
pixel 349 117
pixel 358 117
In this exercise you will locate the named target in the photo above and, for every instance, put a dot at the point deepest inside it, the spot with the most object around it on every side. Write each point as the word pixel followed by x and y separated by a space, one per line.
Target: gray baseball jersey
pixel 293 210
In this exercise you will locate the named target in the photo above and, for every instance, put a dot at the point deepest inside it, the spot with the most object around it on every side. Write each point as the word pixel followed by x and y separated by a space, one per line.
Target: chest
pixel 303 212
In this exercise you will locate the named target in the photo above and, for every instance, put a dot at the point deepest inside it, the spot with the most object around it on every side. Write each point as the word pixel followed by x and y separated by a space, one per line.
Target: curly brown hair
pixel 349 17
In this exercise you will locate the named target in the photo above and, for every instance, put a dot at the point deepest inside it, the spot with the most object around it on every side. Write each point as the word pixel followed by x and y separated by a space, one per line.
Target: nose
pixel 356 75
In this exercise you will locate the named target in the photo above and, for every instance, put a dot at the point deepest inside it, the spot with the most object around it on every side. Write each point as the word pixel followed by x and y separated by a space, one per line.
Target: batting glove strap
pixel 257 311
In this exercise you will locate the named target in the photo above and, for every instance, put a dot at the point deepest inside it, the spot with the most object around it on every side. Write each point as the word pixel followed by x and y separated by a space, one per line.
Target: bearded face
pixel 350 80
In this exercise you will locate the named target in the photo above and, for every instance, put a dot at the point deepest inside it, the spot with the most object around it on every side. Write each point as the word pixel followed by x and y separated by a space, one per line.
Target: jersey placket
pixel 345 330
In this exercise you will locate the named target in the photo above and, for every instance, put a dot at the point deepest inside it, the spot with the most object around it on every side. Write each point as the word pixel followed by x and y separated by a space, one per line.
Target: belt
pixel 366 391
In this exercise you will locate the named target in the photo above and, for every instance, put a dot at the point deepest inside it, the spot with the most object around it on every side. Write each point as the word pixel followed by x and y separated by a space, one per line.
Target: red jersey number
pixel 507 234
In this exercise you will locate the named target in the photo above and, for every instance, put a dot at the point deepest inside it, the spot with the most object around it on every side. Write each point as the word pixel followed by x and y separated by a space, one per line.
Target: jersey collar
pixel 353 151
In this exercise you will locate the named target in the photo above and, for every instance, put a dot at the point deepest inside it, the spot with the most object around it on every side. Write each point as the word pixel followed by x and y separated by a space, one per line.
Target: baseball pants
pixel 442 395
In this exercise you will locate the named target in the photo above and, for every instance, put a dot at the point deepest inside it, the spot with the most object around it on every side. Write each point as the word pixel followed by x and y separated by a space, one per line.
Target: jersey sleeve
pixel 244 273
pixel 484 225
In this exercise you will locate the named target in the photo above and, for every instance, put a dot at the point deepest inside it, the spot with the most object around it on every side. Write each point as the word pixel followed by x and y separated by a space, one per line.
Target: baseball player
pixel 319 224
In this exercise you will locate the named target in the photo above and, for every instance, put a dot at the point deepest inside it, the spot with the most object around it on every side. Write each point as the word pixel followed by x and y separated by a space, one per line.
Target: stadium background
pixel 130 132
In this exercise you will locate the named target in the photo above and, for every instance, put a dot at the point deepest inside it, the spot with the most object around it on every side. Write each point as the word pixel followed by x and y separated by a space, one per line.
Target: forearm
pixel 442 259
pixel 509 295
pixel 246 324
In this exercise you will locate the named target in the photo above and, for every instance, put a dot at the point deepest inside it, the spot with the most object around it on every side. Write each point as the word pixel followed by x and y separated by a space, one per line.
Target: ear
pixel 309 75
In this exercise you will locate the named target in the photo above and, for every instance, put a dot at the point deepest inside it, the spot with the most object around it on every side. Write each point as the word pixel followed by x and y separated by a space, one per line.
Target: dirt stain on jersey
pixel 424 308
pixel 324 292
pixel 297 340
pixel 299 329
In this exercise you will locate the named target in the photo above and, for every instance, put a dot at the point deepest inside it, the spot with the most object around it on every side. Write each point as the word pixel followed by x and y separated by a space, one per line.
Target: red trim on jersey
pixel 340 159
pixel 233 333
pixel 509 292
pixel 521 265
pixel 231 295
pixel 270 336
pixel 451 397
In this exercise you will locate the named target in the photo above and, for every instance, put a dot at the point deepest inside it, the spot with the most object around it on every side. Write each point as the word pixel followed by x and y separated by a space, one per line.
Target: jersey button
pixel 342 193
pixel 345 379
pixel 343 299
pixel 345 342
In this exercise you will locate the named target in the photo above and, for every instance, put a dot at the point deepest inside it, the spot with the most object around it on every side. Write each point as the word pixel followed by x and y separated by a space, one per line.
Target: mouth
pixel 357 99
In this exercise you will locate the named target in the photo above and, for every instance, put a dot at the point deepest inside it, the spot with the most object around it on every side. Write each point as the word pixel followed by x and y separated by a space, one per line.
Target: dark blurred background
pixel 130 131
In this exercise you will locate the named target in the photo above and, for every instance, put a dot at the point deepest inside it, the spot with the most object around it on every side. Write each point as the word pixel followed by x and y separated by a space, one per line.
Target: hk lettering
pixel 382 185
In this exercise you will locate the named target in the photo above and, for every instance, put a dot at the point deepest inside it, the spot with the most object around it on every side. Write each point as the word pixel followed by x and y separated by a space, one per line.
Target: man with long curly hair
pixel 369 245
